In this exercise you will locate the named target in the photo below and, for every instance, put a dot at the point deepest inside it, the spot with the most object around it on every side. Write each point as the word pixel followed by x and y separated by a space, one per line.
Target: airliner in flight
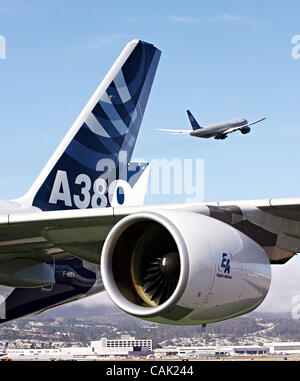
pixel 83 228
pixel 218 130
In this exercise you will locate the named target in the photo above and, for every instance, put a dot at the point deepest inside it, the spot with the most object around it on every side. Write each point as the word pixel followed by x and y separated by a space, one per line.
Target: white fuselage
pixel 15 206
pixel 218 128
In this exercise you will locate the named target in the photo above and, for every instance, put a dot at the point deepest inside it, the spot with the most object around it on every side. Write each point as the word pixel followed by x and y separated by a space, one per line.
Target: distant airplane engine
pixel 221 137
pixel 180 267
pixel 245 130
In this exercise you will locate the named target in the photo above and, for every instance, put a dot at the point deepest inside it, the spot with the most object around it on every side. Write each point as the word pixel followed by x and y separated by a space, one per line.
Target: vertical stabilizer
pixel 96 152
pixel 193 121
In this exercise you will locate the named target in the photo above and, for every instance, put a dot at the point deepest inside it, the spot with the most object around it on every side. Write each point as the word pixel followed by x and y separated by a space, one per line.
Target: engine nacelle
pixel 245 130
pixel 221 137
pixel 180 267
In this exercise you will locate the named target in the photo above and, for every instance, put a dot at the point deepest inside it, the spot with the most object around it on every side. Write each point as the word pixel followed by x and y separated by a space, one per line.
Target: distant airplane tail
pixel 193 121
pixel 96 152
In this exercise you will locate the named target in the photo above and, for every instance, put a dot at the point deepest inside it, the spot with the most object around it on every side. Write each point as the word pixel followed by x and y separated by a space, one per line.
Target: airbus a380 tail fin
pixel 91 167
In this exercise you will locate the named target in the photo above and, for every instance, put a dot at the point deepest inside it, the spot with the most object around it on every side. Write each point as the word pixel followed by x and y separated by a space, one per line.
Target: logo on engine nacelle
pixel 224 267
pixel 225 263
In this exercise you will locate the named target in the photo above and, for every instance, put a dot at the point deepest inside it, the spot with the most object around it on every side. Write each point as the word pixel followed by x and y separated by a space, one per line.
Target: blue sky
pixel 220 59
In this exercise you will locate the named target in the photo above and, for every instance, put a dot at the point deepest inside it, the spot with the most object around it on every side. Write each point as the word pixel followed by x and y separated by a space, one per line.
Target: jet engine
pixel 221 136
pixel 179 267
pixel 245 130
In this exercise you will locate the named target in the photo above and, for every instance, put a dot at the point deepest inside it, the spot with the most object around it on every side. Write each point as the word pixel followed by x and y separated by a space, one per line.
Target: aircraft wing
pixel 175 132
pixel 43 235
pixel 233 129
pixel 256 121
pixel 273 223
pixel 53 257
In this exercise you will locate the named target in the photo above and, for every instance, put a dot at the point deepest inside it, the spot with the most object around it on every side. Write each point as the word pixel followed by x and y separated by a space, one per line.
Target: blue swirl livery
pixel 92 166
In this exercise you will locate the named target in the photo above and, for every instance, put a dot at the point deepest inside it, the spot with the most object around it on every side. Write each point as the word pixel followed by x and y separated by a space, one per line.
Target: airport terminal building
pixel 130 347
pixel 279 348
pixel 124 347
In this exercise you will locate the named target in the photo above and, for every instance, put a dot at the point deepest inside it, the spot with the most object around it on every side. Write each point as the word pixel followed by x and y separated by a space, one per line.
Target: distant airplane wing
pixel 175 132
pixel 256 121
pixel 233 129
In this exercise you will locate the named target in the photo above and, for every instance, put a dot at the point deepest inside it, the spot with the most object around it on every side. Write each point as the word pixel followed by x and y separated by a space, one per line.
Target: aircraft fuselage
pixel 218 128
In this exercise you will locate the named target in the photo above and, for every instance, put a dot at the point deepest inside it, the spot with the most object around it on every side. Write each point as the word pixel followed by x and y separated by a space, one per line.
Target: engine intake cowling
pixel 181 267
pixel 245 130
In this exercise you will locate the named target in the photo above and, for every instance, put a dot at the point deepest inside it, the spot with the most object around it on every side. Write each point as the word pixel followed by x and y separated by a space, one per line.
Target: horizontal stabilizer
pixel 175 132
